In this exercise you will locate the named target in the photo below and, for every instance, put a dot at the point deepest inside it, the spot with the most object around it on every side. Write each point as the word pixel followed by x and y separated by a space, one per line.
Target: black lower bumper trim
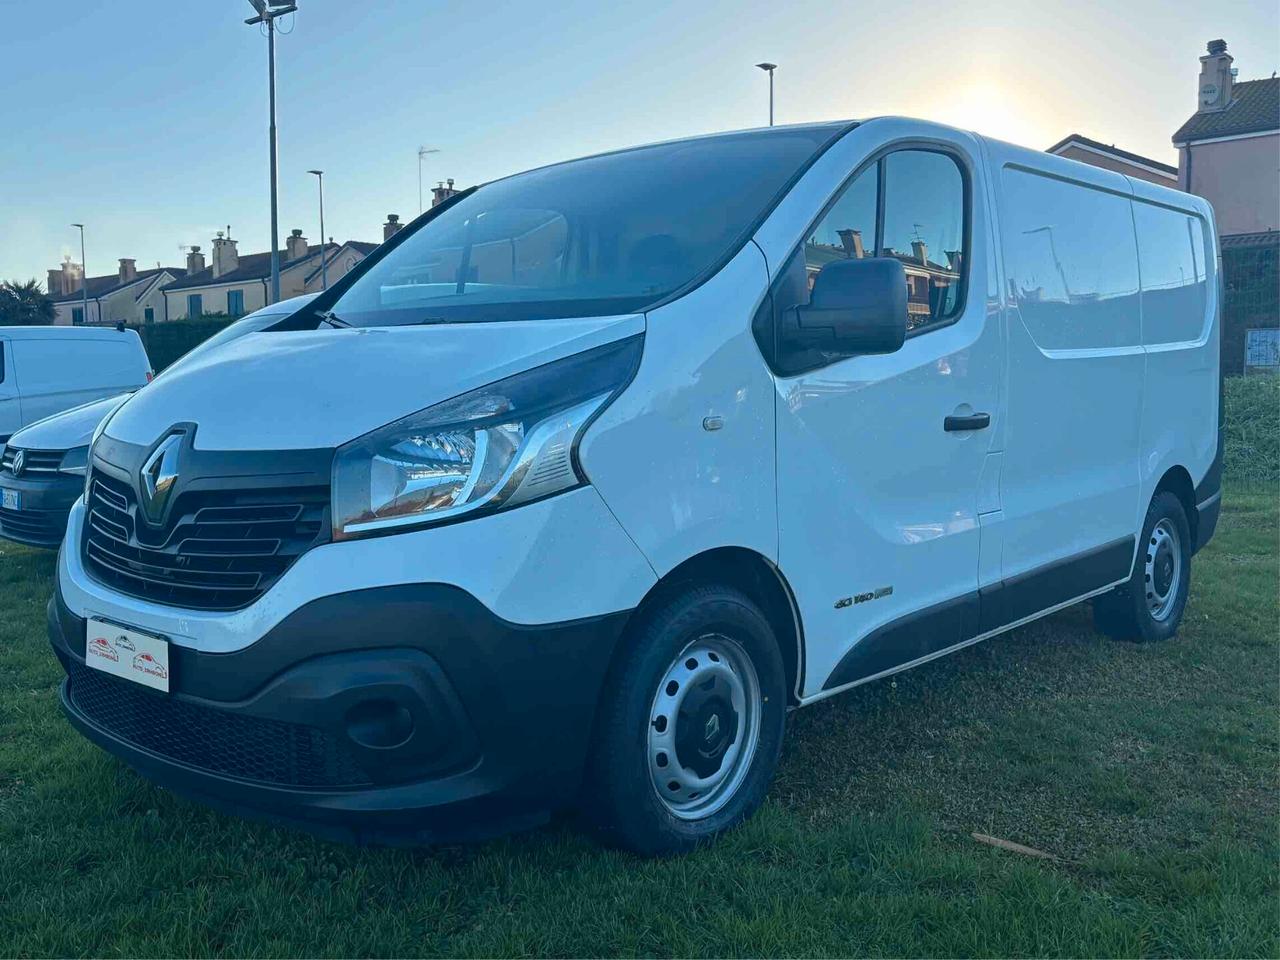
pixel 460 723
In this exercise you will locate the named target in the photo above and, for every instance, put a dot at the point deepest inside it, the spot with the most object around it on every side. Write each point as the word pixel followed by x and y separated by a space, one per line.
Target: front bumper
pixel 395 714
pixel 46 503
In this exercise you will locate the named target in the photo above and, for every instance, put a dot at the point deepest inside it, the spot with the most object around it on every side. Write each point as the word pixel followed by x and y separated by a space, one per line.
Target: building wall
pixel 1241 178
pixel 117 307
pixel 214 298
pixel 1073 152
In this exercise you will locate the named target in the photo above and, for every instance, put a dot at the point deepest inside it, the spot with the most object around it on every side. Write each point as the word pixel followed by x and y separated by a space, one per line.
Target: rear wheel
pixel 1150 605
pixel 691 726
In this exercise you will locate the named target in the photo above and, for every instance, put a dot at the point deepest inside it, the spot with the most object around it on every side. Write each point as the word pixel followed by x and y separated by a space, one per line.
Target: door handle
pixel 974 421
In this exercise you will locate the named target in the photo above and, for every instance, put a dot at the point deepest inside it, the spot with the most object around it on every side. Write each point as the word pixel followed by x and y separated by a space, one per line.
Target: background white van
pixel 45 370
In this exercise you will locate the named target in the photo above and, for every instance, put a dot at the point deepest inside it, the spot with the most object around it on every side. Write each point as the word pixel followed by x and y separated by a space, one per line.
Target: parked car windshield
pixel 602 235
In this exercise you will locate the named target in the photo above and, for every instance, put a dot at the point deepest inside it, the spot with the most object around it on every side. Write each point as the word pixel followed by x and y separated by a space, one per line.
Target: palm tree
pixel 24 304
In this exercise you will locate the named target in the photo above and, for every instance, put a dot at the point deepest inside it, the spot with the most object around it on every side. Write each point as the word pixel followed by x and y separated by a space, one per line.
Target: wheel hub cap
pixel 1162 569
pixel 704 726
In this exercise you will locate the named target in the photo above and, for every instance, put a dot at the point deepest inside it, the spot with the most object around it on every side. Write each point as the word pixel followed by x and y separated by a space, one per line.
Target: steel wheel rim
pixel 681 728
pixel 1162 570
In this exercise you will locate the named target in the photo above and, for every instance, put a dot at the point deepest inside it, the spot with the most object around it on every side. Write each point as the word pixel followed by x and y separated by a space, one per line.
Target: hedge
pixel 1252 435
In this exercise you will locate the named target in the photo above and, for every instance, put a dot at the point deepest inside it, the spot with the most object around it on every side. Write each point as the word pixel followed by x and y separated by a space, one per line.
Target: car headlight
pixel 496 447
pixel 75 460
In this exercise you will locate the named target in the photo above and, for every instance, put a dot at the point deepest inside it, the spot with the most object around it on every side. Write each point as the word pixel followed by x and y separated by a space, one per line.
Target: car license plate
pixel 136 656
pixel 10 499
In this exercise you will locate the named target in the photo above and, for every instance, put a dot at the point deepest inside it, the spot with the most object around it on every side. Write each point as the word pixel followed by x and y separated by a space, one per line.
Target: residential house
pixel 1111 157
pixel 236 285
pixel 1229 153
pixel 128 296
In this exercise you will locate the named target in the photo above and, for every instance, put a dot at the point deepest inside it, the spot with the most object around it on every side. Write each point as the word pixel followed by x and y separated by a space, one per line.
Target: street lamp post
pixel 268 10
pixel 422 152
pixel 769 68
pixel 324 260
pixel 84 279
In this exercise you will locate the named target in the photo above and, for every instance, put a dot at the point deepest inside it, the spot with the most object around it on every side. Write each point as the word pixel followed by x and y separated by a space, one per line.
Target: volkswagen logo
pixel 19 462
pixel 158 476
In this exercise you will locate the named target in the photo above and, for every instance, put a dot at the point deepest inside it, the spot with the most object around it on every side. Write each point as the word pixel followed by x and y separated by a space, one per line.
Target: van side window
pixel 1 361
pixel 921 223
pixel 1174 281
pixel 923 226
pixel 1073 263
pixel 909 205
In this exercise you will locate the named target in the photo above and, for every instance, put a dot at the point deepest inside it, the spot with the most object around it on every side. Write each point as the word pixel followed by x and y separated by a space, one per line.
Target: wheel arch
pixel 1177 480
pixel 758 578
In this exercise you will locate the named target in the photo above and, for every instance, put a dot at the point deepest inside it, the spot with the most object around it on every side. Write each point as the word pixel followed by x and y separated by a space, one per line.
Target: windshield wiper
pixel 328 316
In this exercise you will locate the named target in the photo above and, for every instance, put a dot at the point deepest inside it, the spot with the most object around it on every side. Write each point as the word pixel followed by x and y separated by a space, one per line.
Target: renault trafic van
pixel 568 492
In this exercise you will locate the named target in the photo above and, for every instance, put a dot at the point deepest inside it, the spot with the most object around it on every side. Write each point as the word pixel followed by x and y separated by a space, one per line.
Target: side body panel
pixel 1182 333
pixel 680 481
pixel 1076 365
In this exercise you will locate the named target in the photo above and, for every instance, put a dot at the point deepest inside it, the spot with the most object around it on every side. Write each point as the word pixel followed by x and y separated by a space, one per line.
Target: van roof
pixel 103 332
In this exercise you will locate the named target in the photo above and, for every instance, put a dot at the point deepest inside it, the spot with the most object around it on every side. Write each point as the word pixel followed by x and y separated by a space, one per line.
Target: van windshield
pixel 602 235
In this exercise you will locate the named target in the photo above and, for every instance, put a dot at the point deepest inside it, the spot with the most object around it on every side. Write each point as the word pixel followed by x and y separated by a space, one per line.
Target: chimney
pixel 1216 77
pixel 851 240
pixel 128 270
pixel 441 193
pixel 392 226
pixel 67 279
pixel 295 246
pixel 920 250
pixel 195 260
pixel 225 256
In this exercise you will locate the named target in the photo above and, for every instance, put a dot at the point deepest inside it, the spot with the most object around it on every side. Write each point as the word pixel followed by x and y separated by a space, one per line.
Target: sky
pixel 147 120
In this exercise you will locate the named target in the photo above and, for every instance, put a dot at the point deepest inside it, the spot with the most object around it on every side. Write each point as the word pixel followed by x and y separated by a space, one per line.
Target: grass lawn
pixel 1152 774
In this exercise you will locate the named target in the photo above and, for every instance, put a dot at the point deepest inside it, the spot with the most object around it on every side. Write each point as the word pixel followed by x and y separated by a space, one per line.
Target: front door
pixel 880 458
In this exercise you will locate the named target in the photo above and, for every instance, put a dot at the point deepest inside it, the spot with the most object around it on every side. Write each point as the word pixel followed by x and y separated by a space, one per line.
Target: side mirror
pixel 856 307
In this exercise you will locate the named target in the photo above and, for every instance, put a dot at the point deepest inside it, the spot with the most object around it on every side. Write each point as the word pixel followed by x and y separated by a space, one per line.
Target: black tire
pixel 1126 613
pixel 620 796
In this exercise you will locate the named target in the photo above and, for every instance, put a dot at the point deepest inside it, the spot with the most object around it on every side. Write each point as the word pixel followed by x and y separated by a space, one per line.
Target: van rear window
pixel 607 234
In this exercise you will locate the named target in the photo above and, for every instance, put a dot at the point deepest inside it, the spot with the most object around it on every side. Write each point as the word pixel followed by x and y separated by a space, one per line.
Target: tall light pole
pixel 324 260
pixel 268 10
pixel 84 279
pixel 769 68
pixel 422 152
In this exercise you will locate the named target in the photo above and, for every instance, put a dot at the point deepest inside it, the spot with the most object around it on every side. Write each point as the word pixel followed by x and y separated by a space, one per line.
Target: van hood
pixel 68 429
pixel 320 388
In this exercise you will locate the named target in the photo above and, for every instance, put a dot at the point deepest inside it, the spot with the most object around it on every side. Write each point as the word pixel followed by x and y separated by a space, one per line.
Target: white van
pixel 45 370
pixel 570 490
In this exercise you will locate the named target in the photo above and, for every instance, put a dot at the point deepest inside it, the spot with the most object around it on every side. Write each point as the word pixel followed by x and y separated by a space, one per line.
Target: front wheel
pixel 1150 605
pixel 691 725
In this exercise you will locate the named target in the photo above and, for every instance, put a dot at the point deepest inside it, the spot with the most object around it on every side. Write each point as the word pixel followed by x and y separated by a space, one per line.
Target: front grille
pixel 234 745
pixel 220 550
pixel 44 526
pixel 34 461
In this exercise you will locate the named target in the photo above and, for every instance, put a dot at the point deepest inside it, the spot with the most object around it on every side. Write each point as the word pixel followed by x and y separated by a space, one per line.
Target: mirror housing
pixel 856 307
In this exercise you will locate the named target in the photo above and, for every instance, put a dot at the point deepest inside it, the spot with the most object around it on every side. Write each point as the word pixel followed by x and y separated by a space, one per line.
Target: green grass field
pixel 1152 774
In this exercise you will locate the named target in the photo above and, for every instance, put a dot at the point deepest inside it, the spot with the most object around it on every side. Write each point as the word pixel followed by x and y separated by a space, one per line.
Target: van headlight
pixel 75 461
pixel 496 447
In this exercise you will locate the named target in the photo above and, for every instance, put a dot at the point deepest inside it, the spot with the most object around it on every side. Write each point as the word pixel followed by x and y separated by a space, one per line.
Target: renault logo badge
pixel 158 476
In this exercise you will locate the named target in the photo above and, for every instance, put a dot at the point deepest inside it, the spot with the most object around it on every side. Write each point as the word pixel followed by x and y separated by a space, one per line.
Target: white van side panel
pixel 679 484
pixel 1070 471
pixel 55 373
pixel 10 405
pixel 1181 326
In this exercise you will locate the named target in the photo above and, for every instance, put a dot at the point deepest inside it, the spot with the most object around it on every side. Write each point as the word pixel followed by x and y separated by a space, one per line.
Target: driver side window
pixel 909 205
